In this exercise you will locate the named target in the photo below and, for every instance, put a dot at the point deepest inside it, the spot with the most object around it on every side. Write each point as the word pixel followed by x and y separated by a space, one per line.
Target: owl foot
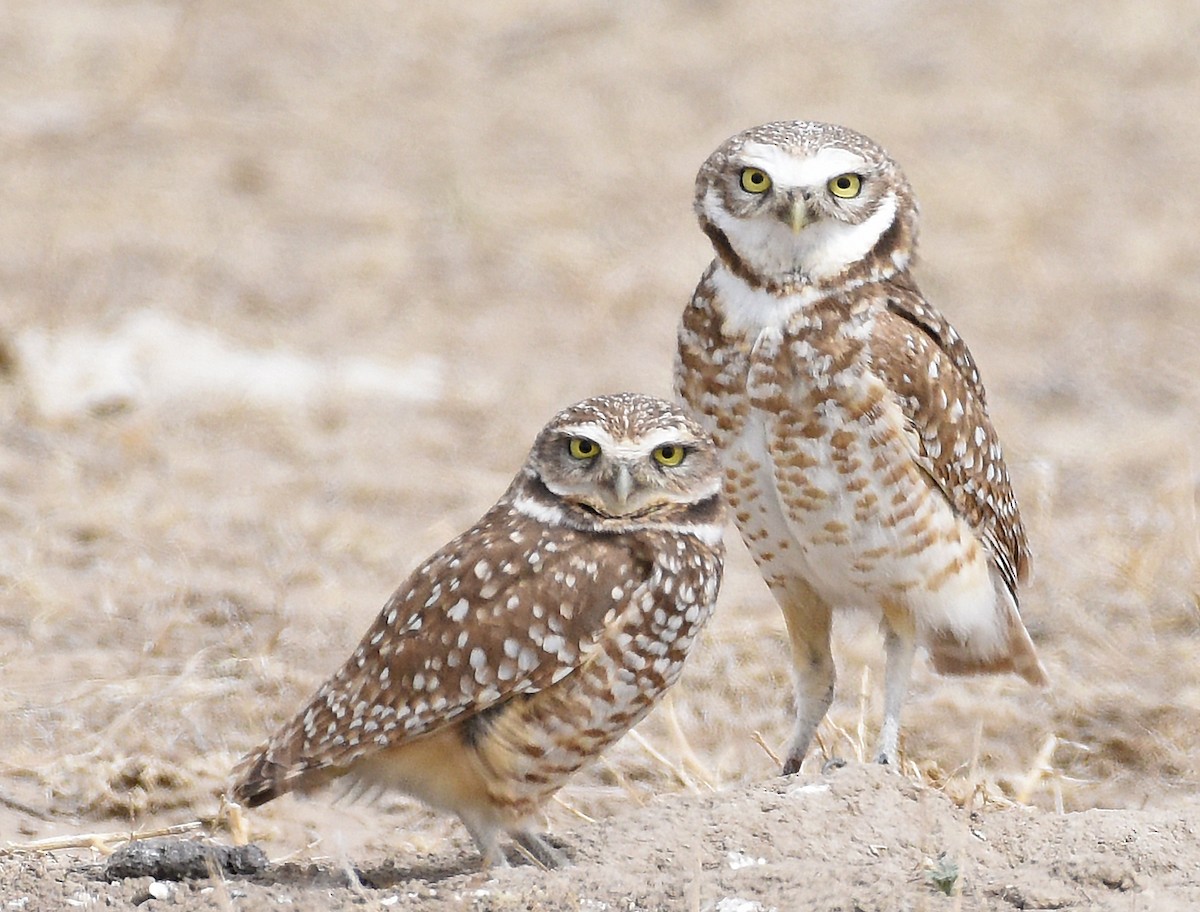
pixel 539 850
pixel 832 764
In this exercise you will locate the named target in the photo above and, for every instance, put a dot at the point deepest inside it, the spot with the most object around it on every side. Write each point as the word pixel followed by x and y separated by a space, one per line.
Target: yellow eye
pixel 755 180
pixel 846 186
pixel 669 454
pixel 582 448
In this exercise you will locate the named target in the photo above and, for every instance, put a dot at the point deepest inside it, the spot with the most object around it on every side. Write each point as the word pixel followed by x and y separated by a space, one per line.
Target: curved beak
pixel 797 214
pixel 623 485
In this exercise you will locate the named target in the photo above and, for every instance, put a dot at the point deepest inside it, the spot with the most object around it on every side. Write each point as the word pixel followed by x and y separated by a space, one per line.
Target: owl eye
pixel 582 448
pixel 846 186
pixel 669 454
pixel 755 180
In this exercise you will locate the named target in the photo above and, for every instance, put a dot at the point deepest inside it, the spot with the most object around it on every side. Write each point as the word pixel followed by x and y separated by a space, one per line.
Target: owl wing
pixel 461 635
pixel 941 395
pixel 708 369
pixel 910 305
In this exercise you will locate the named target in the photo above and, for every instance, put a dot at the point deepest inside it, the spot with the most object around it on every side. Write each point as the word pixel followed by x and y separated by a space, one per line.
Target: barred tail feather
pixel 262 776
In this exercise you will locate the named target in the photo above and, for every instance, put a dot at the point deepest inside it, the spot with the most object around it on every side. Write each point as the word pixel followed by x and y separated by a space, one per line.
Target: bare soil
pixel 287 290
pixel 858 839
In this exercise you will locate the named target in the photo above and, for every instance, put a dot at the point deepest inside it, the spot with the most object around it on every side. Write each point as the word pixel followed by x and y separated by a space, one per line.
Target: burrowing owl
pixel 860 463
pixel 531 642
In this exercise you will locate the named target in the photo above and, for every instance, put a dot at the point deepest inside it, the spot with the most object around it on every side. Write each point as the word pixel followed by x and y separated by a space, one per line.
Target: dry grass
pixel 104 843
pixel 151 731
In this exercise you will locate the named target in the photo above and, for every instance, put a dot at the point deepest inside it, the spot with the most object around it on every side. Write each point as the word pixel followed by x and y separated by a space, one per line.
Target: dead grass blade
pixel 1039 770
pixel 571 809
pixel 757 738
pixel 678 771
pixel 690 759
pixel 105 843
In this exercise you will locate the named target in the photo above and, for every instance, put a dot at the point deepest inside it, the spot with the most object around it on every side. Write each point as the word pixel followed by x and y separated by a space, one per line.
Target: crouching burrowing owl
pixel 860 463
pixel 531 642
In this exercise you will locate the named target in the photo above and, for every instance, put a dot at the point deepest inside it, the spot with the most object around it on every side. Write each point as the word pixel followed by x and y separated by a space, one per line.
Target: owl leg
pixel 540 850
pixel 900 646
pixel 487 840
pixel 810 625
pixel 530 844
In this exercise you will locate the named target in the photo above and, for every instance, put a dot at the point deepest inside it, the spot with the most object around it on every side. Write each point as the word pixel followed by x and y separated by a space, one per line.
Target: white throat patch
pixel 748 311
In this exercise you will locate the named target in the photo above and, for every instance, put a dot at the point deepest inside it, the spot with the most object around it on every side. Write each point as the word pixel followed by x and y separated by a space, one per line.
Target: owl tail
pixel 1024 657
pixel 952 656
pixel 263 775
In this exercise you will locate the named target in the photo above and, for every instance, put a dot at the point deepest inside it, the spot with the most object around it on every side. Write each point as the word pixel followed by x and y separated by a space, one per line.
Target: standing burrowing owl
pixel 860 462
pixel 531 642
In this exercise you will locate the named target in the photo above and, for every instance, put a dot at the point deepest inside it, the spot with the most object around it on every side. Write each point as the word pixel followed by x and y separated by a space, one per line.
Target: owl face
pixel 801 201
pixel 609 466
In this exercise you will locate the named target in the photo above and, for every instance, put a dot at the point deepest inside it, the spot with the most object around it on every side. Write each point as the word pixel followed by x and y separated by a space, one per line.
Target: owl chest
pixel 816 385
pixel 821 480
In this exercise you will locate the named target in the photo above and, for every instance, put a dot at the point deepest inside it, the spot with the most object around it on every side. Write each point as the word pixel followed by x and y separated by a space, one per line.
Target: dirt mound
pixel 857 839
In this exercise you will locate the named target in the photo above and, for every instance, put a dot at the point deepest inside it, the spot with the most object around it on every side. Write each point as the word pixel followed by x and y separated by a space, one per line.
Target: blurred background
pixel 287 289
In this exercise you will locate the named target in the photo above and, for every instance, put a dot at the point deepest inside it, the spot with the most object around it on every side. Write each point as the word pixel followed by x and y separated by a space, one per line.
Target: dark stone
pixel 168 858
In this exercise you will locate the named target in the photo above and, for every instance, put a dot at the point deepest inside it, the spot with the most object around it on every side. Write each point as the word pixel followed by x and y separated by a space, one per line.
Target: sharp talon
pixel 833 763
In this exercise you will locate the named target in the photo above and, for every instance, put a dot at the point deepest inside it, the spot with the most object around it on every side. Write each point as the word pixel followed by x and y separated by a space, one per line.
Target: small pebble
pixel 159 890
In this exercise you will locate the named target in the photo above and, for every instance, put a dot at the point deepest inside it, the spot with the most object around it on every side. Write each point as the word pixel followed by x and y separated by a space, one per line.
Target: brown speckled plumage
pixel 860 462
pixel 532 641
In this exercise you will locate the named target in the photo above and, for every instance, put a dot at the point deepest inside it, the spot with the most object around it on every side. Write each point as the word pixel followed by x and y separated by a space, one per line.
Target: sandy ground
pixel 897 846
pixel 287 291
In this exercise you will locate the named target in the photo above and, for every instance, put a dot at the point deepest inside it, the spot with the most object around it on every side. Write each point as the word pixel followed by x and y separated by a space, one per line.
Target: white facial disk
pixel 836 232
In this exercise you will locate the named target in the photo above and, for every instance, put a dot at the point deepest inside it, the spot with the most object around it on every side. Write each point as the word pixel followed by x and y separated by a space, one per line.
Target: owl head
pixel 796 202
pixel 623 460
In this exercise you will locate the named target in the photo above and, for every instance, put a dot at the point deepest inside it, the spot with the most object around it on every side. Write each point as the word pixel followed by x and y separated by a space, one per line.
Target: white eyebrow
pixel 589 430
pixel 788 169
pixel 660 436
pixel 627 449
